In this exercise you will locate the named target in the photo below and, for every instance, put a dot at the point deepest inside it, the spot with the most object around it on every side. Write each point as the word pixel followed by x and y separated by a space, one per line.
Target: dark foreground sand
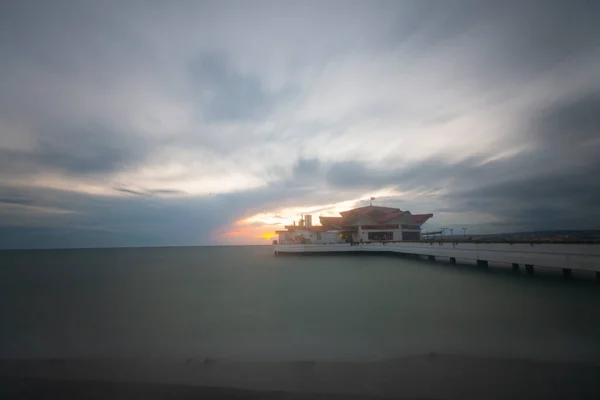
pixel 422 377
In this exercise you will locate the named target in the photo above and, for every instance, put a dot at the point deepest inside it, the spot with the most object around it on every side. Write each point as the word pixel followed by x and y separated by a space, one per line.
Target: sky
pixel 158 123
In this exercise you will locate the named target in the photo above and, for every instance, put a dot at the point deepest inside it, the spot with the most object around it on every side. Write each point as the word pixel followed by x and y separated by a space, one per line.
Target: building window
pixel 411 236
pixel 379 236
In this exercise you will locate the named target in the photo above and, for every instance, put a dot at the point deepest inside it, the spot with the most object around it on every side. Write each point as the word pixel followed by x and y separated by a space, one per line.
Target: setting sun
pixel 267 235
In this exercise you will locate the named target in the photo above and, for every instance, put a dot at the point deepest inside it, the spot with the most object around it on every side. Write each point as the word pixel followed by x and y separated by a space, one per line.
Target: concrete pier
pixel 567 273
pixel 581 257
pixel 529 269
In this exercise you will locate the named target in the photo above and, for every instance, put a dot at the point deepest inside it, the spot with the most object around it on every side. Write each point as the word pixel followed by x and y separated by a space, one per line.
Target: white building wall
pixel 285 238
pixel 313 237
pixel 330 237
pixel 397 235
pixel 307 235
pixel 362 235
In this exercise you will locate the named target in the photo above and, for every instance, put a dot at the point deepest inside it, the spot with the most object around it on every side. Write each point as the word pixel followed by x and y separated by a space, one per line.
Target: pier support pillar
pixel 567 273
pixel 515 267
pixel 482 263
pixel 452 260
pixel 431 258
pixel 529 269
pixel 598 277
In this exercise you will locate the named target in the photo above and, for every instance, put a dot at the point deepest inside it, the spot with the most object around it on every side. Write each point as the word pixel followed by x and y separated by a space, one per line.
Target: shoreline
pixel 424 376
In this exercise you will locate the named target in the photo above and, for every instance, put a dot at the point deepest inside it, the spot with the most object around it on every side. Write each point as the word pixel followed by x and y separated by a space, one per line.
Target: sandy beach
pixel 424 377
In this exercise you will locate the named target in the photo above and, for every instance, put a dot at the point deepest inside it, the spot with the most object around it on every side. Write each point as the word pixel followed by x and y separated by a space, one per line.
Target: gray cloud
pixel 77 150
pixel 14 200
pixel 94 93
pixel 510 41
pixel 138 220
pixel 306 167
pixel 566 200
pixel 167 191
pixel 553 185
pixel 149 192
pixel 112 221
pixel 131 191
pixel 230 95
pixel 572 123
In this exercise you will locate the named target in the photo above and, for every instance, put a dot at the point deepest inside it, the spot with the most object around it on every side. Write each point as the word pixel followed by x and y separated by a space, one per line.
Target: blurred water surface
pixel 244 303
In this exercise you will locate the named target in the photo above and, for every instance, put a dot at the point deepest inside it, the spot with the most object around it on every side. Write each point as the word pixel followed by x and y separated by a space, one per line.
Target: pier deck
pixel 565 256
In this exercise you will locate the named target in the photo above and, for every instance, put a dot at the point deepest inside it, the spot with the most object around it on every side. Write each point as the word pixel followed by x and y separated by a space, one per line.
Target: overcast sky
pixel 141 123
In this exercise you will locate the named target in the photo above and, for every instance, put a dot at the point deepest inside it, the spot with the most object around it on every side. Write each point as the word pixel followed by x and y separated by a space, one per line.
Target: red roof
pixel 374 213
pixel 368 209
pixel 338 221
pixel 379 215
pixel 421 218
pixel 390 216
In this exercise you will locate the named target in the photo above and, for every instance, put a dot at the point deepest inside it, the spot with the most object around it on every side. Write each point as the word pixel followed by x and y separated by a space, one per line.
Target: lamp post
pixel 443 230
pixel 464 231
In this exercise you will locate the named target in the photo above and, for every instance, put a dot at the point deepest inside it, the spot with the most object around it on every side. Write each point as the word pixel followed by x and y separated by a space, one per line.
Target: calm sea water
pixel 244 303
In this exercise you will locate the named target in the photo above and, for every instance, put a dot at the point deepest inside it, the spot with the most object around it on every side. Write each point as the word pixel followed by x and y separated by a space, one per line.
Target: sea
pixel 244 303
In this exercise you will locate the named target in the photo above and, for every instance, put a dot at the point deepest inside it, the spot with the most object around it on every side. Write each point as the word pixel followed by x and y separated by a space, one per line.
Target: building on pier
pixel 363 224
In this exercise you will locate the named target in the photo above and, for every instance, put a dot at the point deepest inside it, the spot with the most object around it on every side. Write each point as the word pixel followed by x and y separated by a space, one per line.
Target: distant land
pixel 586 236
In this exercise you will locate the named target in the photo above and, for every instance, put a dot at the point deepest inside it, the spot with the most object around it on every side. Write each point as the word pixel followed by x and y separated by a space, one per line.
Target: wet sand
pixel 421 377
pixel 40 388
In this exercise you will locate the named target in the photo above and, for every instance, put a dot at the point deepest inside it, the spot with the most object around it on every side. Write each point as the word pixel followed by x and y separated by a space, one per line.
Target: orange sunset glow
pixel 268 235
pixel 243 232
